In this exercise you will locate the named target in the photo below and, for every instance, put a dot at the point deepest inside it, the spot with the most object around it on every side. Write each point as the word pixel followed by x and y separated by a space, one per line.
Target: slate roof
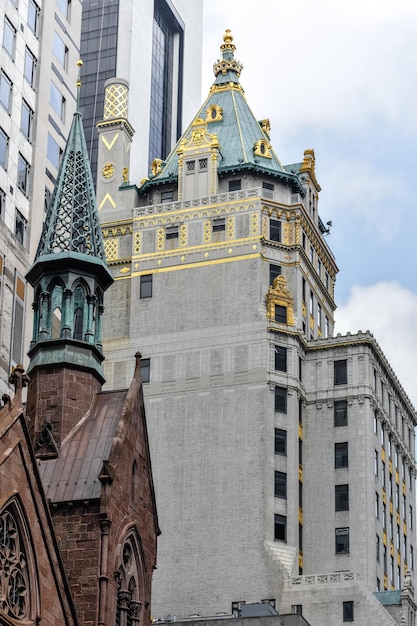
pixel 74 474
pixel 238 131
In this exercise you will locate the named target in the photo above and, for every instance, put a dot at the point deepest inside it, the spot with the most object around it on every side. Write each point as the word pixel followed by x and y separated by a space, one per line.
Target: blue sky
pixel 341 78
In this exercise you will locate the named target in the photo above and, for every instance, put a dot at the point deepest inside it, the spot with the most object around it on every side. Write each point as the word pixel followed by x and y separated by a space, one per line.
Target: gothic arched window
pixel 79 302
pixel 129 579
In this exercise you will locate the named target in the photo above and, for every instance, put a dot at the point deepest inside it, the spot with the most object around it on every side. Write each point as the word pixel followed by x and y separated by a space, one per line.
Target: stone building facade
pixel 284 456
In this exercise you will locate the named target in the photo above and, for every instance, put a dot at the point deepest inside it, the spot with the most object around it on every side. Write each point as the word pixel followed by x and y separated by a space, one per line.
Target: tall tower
pixel 69 277
pixel 284 456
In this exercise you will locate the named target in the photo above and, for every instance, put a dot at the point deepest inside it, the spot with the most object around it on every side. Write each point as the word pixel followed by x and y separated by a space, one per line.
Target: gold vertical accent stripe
pixel 207 231
pixel 300 515
pixel 255 223
pixel 111 249
pixel 264 227
pixel 161 238
pixel 230 227
pixel 383 454
pixel 138 242
pixel 183 235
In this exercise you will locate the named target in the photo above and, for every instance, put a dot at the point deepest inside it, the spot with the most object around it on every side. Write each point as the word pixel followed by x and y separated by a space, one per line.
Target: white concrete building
pixel 38 64
pixel 283 457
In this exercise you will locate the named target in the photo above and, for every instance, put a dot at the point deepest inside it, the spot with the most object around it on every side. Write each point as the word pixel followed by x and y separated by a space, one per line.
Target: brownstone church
pixel 78 521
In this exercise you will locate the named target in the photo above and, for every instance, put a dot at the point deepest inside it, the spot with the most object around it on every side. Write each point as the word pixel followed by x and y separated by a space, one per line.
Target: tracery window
pixel 15 593
pixel 128 580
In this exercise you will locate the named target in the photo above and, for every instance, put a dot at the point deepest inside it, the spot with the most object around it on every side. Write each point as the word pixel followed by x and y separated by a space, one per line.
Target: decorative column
pixel 103 580
pixel 100 311
pixel 89 334
pixel 66 314
pixel 44 316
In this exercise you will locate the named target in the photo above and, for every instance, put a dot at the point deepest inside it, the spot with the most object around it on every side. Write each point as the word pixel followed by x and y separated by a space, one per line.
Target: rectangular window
pixel 378 548
pixel 280 485
pixel 30 68
pixel 341 455
pixel 326 280
pixel 4 149
pixel 20 227
pixel 326 327
pixel 280 441
pixel 145 370
pixel 274 271
pixel 57 101
pixel 412 558
pixel 167 196
pixel 2 204
pixel 190 167
pixel 340 413
pixel 26 120
pixel 60 50
pixel 202 164
pixel 311 302
pixel 235 185
pixel 275 230
pixel 9 38
pixel 280 314
pixel 303 289
pixel 297 608
pixel 311 254
pixel 280 528
pixel 281 358
pixel 377 506
pixel 146 286
pixel 23 170
pixel 318 315
pixel 6 88
pixel 376 462
pixel 64 5
pixel 280 399
pixel 319 267
pixel 53 151
pixel 171 233
pixel 341 497
pixel 340 372
pixel 348 611
pixel 218 225
pixel 342 540
pixel 33 17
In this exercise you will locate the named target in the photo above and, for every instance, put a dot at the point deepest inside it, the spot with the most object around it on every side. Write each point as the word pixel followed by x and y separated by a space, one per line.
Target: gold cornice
pixel 204 247
pixel 228 87
pixel 121 121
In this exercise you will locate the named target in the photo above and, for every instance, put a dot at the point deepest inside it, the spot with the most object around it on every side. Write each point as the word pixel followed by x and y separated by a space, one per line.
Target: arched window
pixel 16 578
pixel 129 578
pixel 79 302
pixel 56 308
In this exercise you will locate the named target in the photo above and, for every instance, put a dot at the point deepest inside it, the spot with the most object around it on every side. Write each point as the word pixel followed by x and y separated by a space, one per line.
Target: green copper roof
pixel 244 141
pixel 72 223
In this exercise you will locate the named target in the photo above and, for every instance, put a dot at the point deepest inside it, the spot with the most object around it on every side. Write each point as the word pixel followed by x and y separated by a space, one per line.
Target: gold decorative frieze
pixel 278 295
pixel 183 235
pixel 117 230
pixel 137 246
pixel 111 249
pixel 254 223
pixel 288 234
pixel 262 148
pixel 265 228
pixel 207 231
pixel 161 238
pixel 230 227
pixel 125 174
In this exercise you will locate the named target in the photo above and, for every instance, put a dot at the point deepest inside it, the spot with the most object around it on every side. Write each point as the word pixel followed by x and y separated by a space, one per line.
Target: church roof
pixel 244 142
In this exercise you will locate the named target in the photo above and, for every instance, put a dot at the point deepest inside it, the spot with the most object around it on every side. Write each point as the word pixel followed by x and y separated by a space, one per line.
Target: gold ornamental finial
pixel 228 41
pixel 78 83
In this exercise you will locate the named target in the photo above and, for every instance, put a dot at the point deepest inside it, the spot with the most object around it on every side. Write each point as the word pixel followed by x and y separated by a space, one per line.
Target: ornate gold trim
pixel 278 294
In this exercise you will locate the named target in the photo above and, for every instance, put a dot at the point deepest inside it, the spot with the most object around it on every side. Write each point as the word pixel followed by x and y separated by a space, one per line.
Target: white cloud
pixel 389 311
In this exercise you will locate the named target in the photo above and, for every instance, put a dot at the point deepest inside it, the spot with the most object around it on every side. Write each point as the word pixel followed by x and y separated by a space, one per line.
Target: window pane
pixel 4 142
pixel 280 528
pixel 280 314
pixel 146 286
pixel 33 16
pixel 274 230
pixel 53 151
pixel 341 497
pixel 280 485
pixel 26 121
pixel 235 185
pixel 340 372
pixel 280 441
pixel 60 50
pixel 342 540
pixel 30 66
pixel 23 175
pixel 9 38
pixel 145 370
pixel 280 358
pixel 340 413
pixel 57 101
pixel 348 611
pixel 341 454
pixel 281 399
pixel 274 271
pixel 5 91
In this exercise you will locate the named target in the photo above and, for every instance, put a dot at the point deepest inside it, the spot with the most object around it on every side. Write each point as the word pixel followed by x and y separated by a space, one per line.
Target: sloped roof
pixel 74 474
pixel 244 142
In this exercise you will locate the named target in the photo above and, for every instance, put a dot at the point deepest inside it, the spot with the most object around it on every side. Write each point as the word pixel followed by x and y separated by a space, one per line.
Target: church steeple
pixel 69 277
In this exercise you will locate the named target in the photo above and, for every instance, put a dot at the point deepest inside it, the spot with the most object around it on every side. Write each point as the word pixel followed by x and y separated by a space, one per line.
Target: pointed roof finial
pixel 228 66
pixel 78 83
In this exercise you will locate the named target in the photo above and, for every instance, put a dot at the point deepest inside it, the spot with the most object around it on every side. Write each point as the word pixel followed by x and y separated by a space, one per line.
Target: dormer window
pixel 202 164
pixel 190 167
pixel 262 148
pixel 214 113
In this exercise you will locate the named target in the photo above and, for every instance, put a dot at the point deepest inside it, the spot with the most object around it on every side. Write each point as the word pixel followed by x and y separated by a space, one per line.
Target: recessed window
pixel 20 227
pixel 311 254
pixel 23 170
pixel 167 196
pixel 297 608
pixel 60 50
pixel 9 37
pixel 2 204
pixel 190 167
pixel 348 611
pixel 57 101
pixel 26 120
pixel 219 224
pixel 202 164
pixel 341 497
pixel 275 230
pixel 145 370
pixel 340 413
pixel 274 271
pixel 342 540
pixel 4 148
pixel 341 455
pixel 280 314
pixel 65 6
pixel 280 485
pixel 280 441
pixel 326 327
pixel 268 190
pixel 340 372
pixel 53 151
pixel 235 185
pixel 33 17
pixel 6 88
pixel 318 315
pixel 146 286
pixel 280 399
pixel 30 67
pixel 281 358
pixel 280 528
pixel 171 233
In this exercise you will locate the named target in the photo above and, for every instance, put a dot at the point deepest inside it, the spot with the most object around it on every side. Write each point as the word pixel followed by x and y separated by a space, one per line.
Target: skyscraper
pixel 38 62
pixel 284 456
pixel 152 45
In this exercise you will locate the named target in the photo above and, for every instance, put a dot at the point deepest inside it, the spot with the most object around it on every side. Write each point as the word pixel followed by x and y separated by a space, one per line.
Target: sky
pixel 341 78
